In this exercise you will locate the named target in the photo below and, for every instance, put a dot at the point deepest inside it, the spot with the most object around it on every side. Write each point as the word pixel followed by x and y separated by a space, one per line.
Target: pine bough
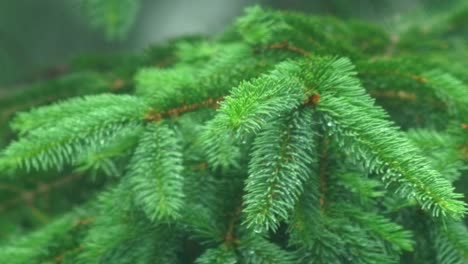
pixel 298 164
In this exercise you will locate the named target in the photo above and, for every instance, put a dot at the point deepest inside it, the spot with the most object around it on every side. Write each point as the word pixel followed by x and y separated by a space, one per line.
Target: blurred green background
pixel 38 38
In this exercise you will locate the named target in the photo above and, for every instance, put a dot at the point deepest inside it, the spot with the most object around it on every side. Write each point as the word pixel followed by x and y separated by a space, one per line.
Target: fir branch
pixel 310 234
pixel 251 104
pixel 105 104
pixel 451 243
pixel 159 85
pixel 362 131
pixel 305 36
pixel 450 90
pixel 209 209
pixel 73 84
pixel 52 145
pixel 119 233
pixel 50 148
pixel 167 88
pixel 441 150
pixel 329 236
pixel 259 26
pixel 321 205
pixel 281 162
pixel 384 228
pixel 366 188
pixel 155 171
pixel 203 224
pixel 307 217
pixel 386 152
pixel 220 147
pixel 103 158
pixel 360 247
pixel 414 80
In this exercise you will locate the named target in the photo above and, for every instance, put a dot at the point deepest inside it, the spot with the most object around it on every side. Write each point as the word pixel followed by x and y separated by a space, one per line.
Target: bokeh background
pixel 38 38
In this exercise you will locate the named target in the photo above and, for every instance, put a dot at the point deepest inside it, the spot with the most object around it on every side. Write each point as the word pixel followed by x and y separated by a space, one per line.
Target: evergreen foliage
pixel 286 139
pixel 114 17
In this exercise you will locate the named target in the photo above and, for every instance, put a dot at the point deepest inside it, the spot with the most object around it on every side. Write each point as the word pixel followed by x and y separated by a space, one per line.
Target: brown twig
pixel 285 45
pixel 413 76
pixel 406 96
pixel 230 238
pixel 209 103
pixel 153 115
pixel 29 196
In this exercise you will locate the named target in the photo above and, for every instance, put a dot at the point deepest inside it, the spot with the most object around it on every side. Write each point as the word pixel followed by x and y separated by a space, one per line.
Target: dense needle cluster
pixel 286 139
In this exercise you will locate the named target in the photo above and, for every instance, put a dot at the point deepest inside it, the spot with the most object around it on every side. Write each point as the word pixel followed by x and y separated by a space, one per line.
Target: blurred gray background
pixel 36 35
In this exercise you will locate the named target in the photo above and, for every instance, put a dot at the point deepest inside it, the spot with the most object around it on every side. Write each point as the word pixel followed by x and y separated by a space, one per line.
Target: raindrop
pixel 257 230
pixel 329 124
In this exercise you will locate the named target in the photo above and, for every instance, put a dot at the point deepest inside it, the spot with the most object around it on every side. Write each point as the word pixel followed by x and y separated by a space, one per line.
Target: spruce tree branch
pixel 282 160
pixel 435 86
pixel 114 85
pixel 419 181
pixel 153 116
pixel 364 133
pixel 267 96
pixel 155 173
pixel 451 242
